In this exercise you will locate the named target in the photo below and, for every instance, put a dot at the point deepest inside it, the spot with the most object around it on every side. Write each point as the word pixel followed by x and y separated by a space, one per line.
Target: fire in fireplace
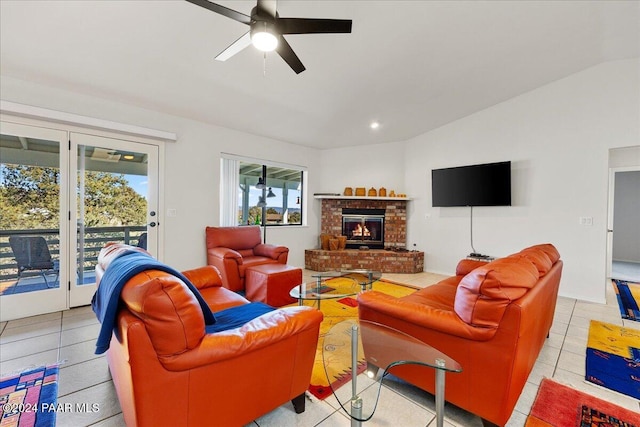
pixel 363 227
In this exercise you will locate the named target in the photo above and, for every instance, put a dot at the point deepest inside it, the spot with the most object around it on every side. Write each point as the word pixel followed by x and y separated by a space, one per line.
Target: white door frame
pixel 610 212
pixel 54 299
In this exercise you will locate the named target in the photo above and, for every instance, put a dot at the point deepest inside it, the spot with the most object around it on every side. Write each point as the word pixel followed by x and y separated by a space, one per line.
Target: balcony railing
pixel 93 240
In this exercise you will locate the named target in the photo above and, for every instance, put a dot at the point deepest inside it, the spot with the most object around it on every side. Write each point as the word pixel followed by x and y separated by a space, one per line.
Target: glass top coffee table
pixel 381 348
pixel 355 281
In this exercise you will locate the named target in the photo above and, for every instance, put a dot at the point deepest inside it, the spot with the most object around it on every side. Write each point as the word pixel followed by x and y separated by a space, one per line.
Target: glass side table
pixel 381 348
pixel 365 278
pixel 358 281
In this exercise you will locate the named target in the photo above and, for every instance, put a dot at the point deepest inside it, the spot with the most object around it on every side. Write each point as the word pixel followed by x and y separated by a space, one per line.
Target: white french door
pixel 115 183
pixel 34 230
pixel 63 196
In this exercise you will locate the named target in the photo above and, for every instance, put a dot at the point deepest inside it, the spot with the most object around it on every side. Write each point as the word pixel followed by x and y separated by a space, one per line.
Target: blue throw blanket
pixel 107 297
pixel 234 317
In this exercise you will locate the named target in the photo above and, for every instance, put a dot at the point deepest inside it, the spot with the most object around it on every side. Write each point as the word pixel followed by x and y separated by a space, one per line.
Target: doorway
pixel 64 195
pixel 623 252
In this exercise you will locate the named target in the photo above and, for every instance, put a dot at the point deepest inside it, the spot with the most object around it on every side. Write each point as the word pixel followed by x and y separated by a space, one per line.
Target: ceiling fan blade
pixel 267 7
pixel 229 13
pixel 236 46
pixel 289 56
pixel 310 26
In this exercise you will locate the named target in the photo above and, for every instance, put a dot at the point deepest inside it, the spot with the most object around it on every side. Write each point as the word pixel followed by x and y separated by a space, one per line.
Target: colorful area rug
pixel 628 294
pixel 558 405
pixel 29 398
pixel 613 358
pixel 335 311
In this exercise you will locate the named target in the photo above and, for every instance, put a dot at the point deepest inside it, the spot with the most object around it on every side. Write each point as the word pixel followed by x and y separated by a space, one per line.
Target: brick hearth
pixel 395 236
pixel 372 259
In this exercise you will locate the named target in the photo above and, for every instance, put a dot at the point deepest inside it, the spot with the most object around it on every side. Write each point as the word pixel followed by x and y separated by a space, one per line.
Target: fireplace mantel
pixel 328 196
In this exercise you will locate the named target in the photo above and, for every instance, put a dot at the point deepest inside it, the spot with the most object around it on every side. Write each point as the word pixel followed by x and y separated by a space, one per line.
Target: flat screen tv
pixel 487 184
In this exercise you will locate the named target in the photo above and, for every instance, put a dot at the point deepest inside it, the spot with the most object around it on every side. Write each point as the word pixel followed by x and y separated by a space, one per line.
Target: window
pixel 244 202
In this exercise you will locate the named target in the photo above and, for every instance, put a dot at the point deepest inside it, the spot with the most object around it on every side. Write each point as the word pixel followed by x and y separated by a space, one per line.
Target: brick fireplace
pixel 393 258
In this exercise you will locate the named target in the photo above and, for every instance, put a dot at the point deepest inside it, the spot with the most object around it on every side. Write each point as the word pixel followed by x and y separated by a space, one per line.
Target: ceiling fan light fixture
pixel 263 37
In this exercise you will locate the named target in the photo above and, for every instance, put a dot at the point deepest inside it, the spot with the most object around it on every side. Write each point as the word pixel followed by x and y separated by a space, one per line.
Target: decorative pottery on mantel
pixel 324 241
pixel 372 192
pixel 361 191
pixel 382 192
pixel 329 242
pixel 342 242
pixel 348 191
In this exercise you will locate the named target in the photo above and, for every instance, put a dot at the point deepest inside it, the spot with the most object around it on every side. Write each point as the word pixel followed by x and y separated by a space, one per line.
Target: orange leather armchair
pixel 168 371
pixel 492 318
pixel 233 249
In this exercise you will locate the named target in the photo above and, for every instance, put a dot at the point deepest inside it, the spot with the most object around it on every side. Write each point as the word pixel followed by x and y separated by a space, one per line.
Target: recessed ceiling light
pixel 374 125
pixel 128 157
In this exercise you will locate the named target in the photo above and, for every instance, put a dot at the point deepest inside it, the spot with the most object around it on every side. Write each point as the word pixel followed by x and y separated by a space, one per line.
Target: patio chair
pixel 142 241
pixel 32 253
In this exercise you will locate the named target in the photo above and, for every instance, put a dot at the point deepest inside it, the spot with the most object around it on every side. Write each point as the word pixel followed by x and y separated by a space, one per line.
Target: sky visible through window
pixel 139 183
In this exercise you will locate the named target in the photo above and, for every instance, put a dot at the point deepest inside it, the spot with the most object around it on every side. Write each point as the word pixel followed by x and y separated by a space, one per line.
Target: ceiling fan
pixel 266 30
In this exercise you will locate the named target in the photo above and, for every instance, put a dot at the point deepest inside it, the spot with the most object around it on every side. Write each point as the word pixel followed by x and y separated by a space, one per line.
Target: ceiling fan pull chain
pixel 264 65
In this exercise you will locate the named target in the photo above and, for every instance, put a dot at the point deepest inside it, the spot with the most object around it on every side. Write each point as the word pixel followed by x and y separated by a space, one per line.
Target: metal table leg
pixel 440 393
pixel 356 401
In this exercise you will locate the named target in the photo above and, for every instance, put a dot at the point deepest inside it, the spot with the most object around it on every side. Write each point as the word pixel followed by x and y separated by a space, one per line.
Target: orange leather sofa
pixel 168 371
pixel 233 249
pixel 492 318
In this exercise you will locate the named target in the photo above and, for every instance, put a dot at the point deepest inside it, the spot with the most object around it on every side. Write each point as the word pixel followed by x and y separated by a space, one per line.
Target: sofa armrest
pixel 446 322
pixel 225 253
pixel 266 330
pixel 204 277
pixel 270 251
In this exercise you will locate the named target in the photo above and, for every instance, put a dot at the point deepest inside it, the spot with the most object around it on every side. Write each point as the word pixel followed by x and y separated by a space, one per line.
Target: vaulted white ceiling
pixel 411 65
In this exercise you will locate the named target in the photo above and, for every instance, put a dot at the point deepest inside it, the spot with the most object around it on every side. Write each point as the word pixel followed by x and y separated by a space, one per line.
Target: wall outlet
pixel 586 220
pixel 172 212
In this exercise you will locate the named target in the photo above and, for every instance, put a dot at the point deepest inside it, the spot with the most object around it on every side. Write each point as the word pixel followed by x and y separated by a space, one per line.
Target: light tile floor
pixel 69 336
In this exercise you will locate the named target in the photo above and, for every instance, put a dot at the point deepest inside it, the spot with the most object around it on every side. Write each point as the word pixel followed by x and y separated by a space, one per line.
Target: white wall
pixel 378 165
pixel 192 168
pixel 558 139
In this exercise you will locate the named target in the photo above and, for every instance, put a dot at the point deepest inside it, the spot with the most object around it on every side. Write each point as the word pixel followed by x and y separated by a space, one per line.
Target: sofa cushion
pixel 170 312
pixel 538 257
pixel 483 295
pixel 440 295
pixel 466 266
pixel 246 253
pixel 547 248
pixel 252 262
pixel 238 238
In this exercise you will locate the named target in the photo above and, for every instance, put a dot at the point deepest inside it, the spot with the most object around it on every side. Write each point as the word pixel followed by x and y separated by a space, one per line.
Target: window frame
pixel 234 194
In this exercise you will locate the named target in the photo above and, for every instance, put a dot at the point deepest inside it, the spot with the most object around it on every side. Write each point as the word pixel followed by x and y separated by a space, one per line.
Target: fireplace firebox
pixel 363 227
